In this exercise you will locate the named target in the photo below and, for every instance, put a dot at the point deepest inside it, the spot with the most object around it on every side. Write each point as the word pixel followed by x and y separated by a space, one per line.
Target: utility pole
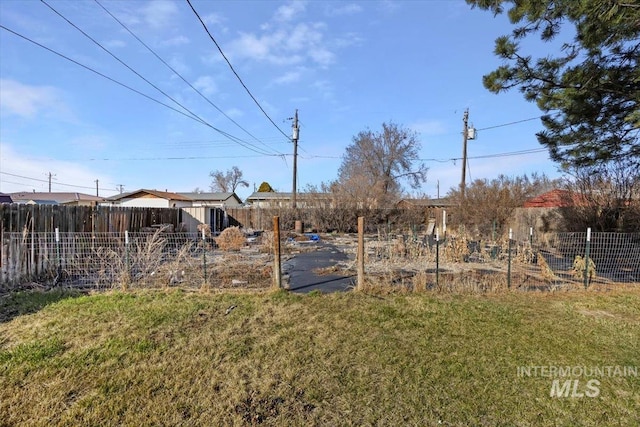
pixel 121 188
pixel 438 189
pixel 465 135
pixel 50 176
pixel 295 134
pixel 97 195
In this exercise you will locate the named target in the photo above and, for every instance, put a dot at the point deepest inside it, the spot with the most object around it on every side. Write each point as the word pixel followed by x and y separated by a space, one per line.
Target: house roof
pixel 556 198
pixel 5 198
pixel 272 195
pixel 212 197
pixel 58 197
pixel 427 203
pixel 39 202
pixel 160 194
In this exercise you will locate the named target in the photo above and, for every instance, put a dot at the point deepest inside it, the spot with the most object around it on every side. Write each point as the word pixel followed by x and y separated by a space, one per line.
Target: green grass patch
pixel 175 358
pixel 19 303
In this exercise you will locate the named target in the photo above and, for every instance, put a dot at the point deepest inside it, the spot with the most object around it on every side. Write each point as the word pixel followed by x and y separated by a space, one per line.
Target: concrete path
pixel 302 278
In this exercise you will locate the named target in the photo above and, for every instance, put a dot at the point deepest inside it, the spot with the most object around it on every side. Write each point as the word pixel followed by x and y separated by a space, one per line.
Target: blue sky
pixel 346 66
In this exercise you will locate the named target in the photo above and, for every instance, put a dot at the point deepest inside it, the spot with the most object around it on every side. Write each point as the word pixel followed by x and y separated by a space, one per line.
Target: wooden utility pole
pixel 97 195
pixel 465 135
pixel 295 134
pixel 51 175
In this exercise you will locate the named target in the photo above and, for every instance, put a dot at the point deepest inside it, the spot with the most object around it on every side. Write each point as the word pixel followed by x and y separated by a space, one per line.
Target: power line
pixel 119 60
pixel 511 123
pixel 234 71
pixel 231 137
pixel 508 154
pixel 238 140
pixel 176 158
pixel 46 181
pixel 96 72
pixel 451 159
pixel 180 75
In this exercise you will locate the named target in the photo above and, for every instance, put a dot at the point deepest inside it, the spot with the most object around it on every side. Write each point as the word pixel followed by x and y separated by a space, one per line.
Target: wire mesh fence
pixel 607 257
pixel 526 261
pixel 108 260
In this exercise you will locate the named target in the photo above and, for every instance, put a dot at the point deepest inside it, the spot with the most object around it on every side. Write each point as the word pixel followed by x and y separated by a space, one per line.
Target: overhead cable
pixel 231 137
pixel 238 140
pixel 54 183
pixel 180 75
pixel 234 71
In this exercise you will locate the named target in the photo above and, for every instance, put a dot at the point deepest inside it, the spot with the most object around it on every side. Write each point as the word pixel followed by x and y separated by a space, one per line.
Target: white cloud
pixel 216 20
pixel 288 77
pixel 206 85
pixel 159 13
pixel 346 9
pixel 289 11
pixel 114 44
pixel 175 41
pixel 321 56
pixel 304 41
pixel 179 65
pixel 28 101
pixel 389 6
pixel 349 39
pixel 325 89
pixel 249 45
pixel 234 112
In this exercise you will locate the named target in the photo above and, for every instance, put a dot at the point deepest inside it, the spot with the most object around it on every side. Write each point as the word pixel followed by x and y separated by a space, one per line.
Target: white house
pixel 209 209
pixel 56 198
pixel 150 199
pixel 218 200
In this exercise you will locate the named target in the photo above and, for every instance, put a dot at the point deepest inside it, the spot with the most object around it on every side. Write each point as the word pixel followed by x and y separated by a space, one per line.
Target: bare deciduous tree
pixel 605 197
pixel 227 182
pixel 376 164
pixel 488 205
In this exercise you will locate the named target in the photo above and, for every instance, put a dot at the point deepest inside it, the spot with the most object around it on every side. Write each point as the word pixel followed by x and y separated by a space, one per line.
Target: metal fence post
pixel 59 274
pixel 586 259
pixel 437 258
pixel 126 254
pixel 360 284
pixel 277 271
pixel 204 255
pixel 509 258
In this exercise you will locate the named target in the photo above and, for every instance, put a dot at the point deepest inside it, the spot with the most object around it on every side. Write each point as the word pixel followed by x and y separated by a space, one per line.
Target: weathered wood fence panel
pixel 91 219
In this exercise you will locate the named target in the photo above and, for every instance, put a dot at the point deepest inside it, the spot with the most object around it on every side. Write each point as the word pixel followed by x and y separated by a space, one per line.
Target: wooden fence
pixel 97 219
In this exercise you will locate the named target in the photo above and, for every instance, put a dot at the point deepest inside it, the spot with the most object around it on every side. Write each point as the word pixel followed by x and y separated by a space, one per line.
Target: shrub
pixel 231 239
pixel 579 265
pixel 547 273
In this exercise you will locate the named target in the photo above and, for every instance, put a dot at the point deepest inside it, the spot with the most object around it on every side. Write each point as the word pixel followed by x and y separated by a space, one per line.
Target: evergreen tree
pixel 590 92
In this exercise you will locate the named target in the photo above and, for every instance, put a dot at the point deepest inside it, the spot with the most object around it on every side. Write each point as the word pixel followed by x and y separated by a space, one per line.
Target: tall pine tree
pixel 590 92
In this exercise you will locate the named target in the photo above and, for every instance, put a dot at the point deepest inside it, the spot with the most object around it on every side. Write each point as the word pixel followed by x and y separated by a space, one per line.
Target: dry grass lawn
pixel 274 358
